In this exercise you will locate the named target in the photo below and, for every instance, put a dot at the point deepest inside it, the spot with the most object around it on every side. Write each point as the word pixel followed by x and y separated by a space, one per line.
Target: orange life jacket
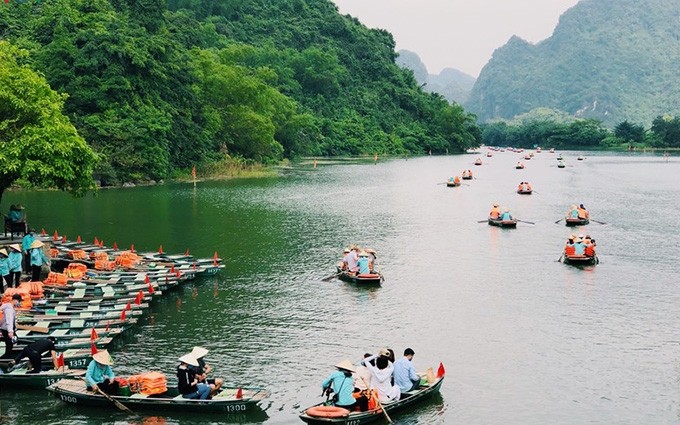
pixel 495 213
pixel 570 250
pixel 590 251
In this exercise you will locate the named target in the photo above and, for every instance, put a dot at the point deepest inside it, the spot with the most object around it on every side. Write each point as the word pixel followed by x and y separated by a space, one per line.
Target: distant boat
pixel 581 158
pixel 560 164
pixel 552 150
pixel 559 157
pixel 478 161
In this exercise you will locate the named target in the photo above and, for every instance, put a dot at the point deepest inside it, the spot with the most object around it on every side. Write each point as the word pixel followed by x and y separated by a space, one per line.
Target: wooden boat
pixel 74 358
pixel 503 223
pixel 561 164
pixel 19 378
pixel 466 177
pixel 361 279
pixel 358 418
pixel 478 162
pixel 559 157
pixel 489 154
pixel 552 150
pixel 524 191
pixel 571 222
pixel 65 344
pixel 75 392
pixel 452 184
pixel 519 166
pixel 527 157
pixel 580 158
pixel 580 260
pixel 66 334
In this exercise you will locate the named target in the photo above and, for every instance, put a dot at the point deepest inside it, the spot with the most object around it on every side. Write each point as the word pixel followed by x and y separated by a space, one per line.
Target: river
pixel 524 339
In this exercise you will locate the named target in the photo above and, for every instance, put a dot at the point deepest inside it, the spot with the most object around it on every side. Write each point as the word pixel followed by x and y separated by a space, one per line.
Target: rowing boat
pixel 580 260
pixel 228 400
pixel 524 191
pixel 74 358
pixel 357 418
pixel 570 222
pixel 20 378
pixel 512 223
pixel 361 279
pixel 452 184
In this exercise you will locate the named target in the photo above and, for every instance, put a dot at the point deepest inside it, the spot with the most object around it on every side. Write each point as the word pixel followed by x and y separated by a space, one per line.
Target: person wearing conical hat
pixel 495 212
pixel 38 259
pixel 15 260
pixel 364 263
pixel 99 375
pixel 26 242
pixel 4 270
pixel 506 214
pixel 16 213
pixel 573 212
pixel 187 383
pixel 203 369
pixel 341 383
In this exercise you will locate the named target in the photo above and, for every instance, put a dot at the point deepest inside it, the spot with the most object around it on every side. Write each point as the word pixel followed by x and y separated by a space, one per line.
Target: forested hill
pixel 156 85
pixel 607 60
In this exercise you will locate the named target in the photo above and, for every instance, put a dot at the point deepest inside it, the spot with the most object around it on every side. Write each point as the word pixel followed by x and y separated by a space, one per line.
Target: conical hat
pixel 199 352
pixel 102 357
pixel 346 365
pixel 189 359
pixel 36 244
pixel 3 251
pixel 15 247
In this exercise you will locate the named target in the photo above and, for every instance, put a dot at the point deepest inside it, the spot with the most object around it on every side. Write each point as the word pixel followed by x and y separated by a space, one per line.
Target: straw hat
pixel 15 247
pixel 506 209
pixel 495 205
pixel 384 352
pixel 189 359
pixel 199 352
pixel 346 250
pixel 3 251
pixel 102 357
pixel 363 254
pixel 36 244
pixel 346 365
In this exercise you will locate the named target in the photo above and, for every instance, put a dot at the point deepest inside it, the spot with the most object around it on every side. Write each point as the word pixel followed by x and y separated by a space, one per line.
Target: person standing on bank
pixel 4 270
pixel 8 324
pixel 15 260
pixel 26 246
pixel 99 375
pixel 405 375
pixel 34 352
pixel 38 259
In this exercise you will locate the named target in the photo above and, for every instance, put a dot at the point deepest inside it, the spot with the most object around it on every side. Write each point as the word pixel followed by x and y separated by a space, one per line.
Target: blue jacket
pixel 98 373
pixel 15 260
pixel 27 241
pixel 38 257
pixel 4 266
pixel 343 386
pixel 363 265
pixel 506 216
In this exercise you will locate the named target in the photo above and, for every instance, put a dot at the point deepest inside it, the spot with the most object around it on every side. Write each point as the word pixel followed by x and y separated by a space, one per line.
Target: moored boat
pixel 466 177
pixel 229 400
pixel 20 378
pixel 502 223
pixel 75 358
pixel 570 222
pixel 336 415
pixel 580 158
pixel 478 161
pixel 452 184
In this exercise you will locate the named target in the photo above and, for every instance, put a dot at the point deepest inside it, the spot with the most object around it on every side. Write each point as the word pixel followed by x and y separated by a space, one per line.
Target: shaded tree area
pixel 154 86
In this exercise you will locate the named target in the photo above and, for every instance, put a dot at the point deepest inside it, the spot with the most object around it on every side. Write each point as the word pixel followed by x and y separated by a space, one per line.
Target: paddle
pixel 560 259
pixel 559 220
pixel 118 404
pixel 33 328
pixel 482 221
pixel 598 222
pixel 378 400
pixel 527 222
pixel 331 277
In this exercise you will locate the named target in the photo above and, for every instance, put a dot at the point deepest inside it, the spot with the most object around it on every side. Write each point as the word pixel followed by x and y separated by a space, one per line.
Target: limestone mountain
pixel 611 60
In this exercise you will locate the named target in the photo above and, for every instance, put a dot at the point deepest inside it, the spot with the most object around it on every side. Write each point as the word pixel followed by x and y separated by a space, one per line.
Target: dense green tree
pixel 38 142
pixel 666 131
pixel 630 133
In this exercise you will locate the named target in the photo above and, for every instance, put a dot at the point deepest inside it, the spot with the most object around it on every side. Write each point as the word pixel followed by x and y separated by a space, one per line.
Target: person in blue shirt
pixel 15 260
pixel 38 259
pixel 342 384
pixel 99 375
pixel 506 214
pixel 405 375
pixel 16 213
pixel 364 263
pixel 579 246
pixel 26 245
pixel 4 270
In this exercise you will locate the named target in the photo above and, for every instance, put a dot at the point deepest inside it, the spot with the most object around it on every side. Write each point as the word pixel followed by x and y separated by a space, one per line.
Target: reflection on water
pixel 525 339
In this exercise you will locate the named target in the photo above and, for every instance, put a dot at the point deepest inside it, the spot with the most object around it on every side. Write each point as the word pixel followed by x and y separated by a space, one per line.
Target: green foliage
pixel 666 132
pixel 39 143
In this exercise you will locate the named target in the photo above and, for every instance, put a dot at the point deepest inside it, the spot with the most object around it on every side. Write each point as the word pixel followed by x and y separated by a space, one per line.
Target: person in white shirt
pixel 381 376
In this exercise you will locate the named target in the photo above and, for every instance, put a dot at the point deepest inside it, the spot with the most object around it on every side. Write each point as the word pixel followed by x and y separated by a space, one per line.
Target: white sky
pixel 461 34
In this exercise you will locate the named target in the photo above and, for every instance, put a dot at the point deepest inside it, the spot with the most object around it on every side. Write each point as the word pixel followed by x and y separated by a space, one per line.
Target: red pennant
pixel 122 316
pixel 178 274
pixel 194 266
pixel 63 239
pixel 441 372
pixel 215 256
pixel 108 324
pixel 193 170
pixel 101 243
pixel 115 246
pixel 166 279
pixel 151 290
pixel 160 249
pixel 146 279
pixel 96 241
pixel 132 248
pixel 60 360
pixel 214 262
pixel 93 334
pixel 43 232
pixel 79 240
pixel 128 307
pixel 172 268
pixel 186 252
pixel 56 235
pixel 138 298
pixel 93 349
pixel 239 393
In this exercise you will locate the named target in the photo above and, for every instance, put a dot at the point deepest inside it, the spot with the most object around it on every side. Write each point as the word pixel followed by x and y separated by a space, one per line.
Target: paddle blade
pixel 441 371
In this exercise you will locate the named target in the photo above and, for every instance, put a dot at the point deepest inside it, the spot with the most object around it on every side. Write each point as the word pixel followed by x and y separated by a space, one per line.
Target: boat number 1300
pixel 68 398
pixel 236 408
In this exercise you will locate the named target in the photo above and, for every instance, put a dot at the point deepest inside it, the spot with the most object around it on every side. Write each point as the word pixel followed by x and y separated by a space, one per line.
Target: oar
pixel 598 222
pixel 331 277
pixel 559 220
pixel 378 400
pixel 118 404
pixel 527 222
pixel 560 259
pixel 483 221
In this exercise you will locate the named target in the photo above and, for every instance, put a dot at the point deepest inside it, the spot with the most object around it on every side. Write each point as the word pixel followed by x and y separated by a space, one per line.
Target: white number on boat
pixel 68 398
pixel 76 363
pixel 50 381
pixel 354 422
pixel 236 408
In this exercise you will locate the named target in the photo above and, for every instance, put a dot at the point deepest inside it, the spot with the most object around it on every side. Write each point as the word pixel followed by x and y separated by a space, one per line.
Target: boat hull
pixel 21 379
pixel 503 223
pixel 373 279
pixel 581 260
pixel 571 222
pixel 449 184
pixel 524 192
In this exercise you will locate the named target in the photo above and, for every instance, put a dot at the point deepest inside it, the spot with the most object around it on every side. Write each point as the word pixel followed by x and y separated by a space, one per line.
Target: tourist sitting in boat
pixel 341 383
pixel 582 212
pixel 99 375
pixel 527 186
pixel 579 246
pixel 495 212
pixel 372 258
pixel 590 246
pixel 187 383
pixel 405 375
pixel 34 352
pixel 573 212
pixel 364 263
pixel 362 391
pixel 456 180
pixel 569 249
pixel 352 259
pixel 381 376
pixel 203 369
pixel 506 216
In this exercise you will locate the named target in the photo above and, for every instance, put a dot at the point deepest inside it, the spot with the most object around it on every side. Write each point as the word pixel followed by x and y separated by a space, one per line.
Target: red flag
pixel 108 324
pixel 122 316
pixel 56 235
pixel 79 240
pixel 239 393
pixel 43 232
pixel 132 248
pixel 215 256
pixel 93 348
pixel 178 274
pixel 172 268
pixel 151 290
pixel 60 360
pixel 101 243
pixel 193 172
pixel 146 279
pixel 215 262
pixel 128 307
pixel 186 252
pixel 166 279
pixel 194 266
pixel 96 241
pixel 441 372
pixel 63 239
pixel 115 246
pixel 138 299
pixel 160 249
pixel 93 334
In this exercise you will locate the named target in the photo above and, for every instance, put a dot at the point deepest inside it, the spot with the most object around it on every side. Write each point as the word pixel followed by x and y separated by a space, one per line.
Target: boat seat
pixel 77 323
pixel 79 293
pixel 59 332
pixel 139 395
pixel 43 324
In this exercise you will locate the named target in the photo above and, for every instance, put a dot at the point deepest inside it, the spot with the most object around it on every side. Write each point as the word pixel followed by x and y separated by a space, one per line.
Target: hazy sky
pixel 458 34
